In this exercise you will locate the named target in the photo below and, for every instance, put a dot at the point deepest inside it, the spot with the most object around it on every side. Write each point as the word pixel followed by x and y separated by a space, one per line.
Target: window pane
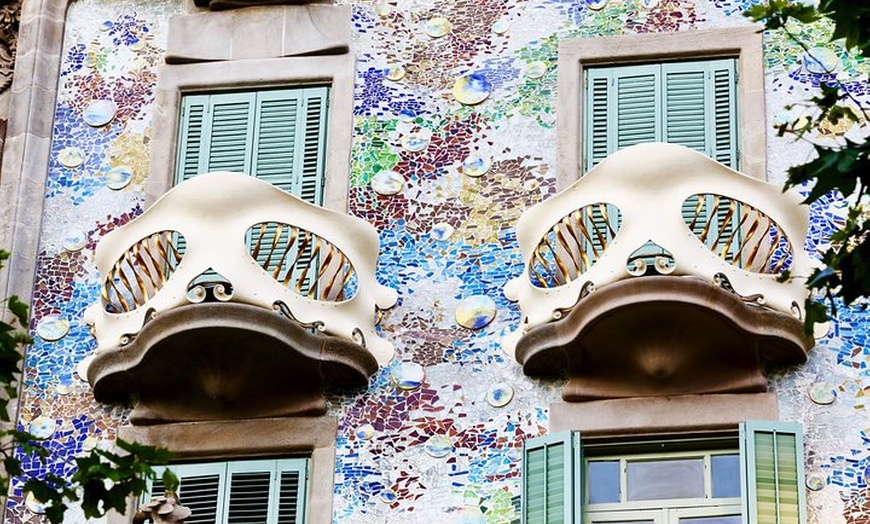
pixel 603 481
pixel 726 475
pixel 731 519
pixel 665 479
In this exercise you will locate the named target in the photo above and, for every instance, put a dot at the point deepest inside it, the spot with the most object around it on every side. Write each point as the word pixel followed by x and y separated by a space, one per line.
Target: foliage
pixel 843 165
pixel 102 480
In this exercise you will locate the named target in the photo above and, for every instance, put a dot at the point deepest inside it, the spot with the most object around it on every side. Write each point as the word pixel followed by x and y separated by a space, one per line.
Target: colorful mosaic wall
pixel 454 137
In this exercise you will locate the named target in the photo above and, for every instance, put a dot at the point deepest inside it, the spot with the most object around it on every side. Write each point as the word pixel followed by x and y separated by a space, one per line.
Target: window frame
pixel 743 43
pixel 224 469
pixel 575 473
pixel 177 80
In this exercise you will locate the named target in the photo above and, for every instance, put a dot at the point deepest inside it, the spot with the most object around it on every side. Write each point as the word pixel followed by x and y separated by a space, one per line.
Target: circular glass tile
pixel 90 443
pixel 501 26
pixel 42 427
pixel 395 72
pixel 475 312
pixel 33 504
pixel 383 8
pixel 138 44
pixel 649 4
pixel 596 4
pixel 118 177
pixel 438 446
pixel 499 395
pixel 408 375
pixel 52 328
pixel 441 231
pixel 438 27
pixel 63 389
pixel 388 496
pixel 75 240
pixel 816 481
pixel 536 69
pixel 100 112
pixel 471 89
pixel 822 393
pixel 820 60
pixel 388 183
pixel 71 157
pixel 415 142
pixel 407 115
pixel 106 26
pixel 365 432
pixel 475 166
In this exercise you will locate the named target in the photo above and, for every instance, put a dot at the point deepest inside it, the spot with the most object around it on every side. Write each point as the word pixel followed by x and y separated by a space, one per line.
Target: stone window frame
pixel 177 80
pixel 743 43
pixel 205 441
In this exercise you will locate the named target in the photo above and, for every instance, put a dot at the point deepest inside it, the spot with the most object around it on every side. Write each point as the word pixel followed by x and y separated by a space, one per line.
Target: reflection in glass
pixel 726 475
pixel 603 481
pixel 665 479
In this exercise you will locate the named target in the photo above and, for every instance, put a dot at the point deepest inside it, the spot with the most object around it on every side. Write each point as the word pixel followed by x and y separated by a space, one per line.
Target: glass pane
pixel 603 481
pixel 726 475
pixel 665 479
pixel 730 519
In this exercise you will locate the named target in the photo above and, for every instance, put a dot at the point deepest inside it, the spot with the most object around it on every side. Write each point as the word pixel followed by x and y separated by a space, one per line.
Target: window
pixel 653 57
pixel 687 103
pixel 243 492
pixel 275 135
pixel 758 474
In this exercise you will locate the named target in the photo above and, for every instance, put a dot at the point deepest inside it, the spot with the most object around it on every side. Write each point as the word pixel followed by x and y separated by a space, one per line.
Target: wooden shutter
pixel 773 472
pixel 291 482
pixel 242 492
pixel 551 480
pixel 597 130
pixel 201 488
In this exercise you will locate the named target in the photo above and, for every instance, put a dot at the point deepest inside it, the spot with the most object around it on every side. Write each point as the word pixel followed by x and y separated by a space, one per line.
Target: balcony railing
pixel 644 227
pixel 225 257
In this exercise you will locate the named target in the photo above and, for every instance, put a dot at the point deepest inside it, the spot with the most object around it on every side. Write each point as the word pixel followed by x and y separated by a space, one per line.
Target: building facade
pixel 440 124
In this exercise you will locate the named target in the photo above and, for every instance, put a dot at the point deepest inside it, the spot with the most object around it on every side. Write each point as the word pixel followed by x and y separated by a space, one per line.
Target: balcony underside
pixel 216 361
pixel 662 335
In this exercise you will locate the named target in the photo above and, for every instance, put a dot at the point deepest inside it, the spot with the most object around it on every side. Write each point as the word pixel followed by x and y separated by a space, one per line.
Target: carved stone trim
pixel 266 32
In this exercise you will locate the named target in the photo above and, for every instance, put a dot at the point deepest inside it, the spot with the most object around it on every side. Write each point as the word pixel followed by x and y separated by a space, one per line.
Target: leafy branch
pixel 103 480
pixel 840 166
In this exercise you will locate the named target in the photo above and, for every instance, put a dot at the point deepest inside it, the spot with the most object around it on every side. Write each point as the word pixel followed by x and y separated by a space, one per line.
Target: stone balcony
pixel 661 272
pixel 229 298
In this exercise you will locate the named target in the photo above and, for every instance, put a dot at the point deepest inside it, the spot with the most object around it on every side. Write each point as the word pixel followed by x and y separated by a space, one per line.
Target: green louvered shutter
pixel 598 129
pixel 201 488
pixel 242 492
pixel 309 181
pixel 773 472
pixel 290 490
pixel 551 479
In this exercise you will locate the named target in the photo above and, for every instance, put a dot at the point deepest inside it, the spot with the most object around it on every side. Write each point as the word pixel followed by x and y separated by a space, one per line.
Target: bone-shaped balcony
pixel 659 272
pixel 229 298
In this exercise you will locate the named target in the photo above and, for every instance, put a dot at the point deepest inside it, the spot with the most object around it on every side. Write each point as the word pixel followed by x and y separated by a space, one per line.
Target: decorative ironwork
pixel 141 272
